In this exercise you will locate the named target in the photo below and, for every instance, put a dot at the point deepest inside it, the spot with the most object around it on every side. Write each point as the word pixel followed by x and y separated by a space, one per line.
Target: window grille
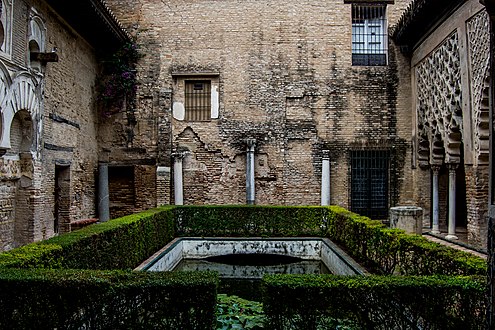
pixel 369 183
pixel 369 35
pixel 198 100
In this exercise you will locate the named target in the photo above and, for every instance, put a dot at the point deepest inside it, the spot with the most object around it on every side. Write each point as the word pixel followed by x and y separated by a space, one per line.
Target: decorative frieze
pixel 10 169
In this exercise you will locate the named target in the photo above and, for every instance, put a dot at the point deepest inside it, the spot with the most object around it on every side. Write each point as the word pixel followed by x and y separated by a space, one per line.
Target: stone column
pixel 436 210
pixel 178 180
pixel 325 178
pixel 103 193
pixel 250 189
pixel 452 192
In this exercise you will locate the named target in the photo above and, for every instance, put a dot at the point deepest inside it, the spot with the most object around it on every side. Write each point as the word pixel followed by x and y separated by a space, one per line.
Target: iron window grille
pixel 369 183
pixel 369 35
pixel 197 100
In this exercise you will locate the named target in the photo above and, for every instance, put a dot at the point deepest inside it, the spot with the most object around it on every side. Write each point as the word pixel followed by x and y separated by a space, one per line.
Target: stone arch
pixel 21 136
pixel 24 95
pixel 21 133
pixel 36 38
pixel 37 29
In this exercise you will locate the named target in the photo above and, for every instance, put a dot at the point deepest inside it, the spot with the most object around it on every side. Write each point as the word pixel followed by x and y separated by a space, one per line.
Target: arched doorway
pixel 21 139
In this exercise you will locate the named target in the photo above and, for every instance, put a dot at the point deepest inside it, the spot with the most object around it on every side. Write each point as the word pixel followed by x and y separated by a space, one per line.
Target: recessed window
pixel 5 26
pixel 2 37
pixel 197 100
pixel 34 48
pixel 369 35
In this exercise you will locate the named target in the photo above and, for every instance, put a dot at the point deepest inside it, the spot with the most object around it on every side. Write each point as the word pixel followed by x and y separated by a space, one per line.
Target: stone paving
pixel 459 244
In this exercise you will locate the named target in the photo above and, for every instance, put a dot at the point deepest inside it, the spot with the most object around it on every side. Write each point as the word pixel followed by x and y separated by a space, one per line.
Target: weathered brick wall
pixel 68 135
pixel 145 189
pixel 477 179
pixel 285 78
pixel 70 125
pixel 122 190
pixel 7 203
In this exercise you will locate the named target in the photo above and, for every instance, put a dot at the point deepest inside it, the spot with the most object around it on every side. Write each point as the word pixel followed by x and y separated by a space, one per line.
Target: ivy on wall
pixel 118 83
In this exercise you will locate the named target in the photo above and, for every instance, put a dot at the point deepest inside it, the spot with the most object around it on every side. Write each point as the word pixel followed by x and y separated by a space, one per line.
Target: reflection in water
pixel 254 265
pixel 240 274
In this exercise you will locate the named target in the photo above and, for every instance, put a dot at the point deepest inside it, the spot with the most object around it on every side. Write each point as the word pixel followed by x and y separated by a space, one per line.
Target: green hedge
pixel 374 302
pixel 77 299
pixel 116 244
pixel 249 221
pixel 391 251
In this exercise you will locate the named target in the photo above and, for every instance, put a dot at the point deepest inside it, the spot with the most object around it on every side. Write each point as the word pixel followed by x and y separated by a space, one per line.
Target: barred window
pixel 369 183
pixel 369 35
pixel 197 100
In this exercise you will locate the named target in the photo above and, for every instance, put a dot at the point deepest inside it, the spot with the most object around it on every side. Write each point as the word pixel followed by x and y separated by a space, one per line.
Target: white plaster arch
pixel 37 29
pixel 36 38
pixel 24 94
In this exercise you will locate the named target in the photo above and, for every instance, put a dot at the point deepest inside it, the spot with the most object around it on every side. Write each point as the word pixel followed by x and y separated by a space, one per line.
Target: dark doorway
pixel 61 222
pixel 121 190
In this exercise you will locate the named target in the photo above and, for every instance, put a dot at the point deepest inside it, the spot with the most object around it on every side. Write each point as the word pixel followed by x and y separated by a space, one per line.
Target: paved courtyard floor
pixel 460 244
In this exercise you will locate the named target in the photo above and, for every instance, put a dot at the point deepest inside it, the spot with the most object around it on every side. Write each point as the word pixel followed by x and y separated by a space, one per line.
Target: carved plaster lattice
pixel 479 56
pixel 439 110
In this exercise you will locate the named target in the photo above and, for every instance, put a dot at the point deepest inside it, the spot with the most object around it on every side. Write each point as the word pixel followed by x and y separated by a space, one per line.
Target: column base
pixel 452 237
pixel 435 231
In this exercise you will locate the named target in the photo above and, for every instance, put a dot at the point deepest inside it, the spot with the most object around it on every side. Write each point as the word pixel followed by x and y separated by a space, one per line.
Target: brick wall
pixel 476 199
pixel 285 78
pixel 121 190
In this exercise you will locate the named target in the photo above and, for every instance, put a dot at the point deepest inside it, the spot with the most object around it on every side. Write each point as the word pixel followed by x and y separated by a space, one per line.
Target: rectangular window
pixel 197 100
pixel 369 183
pixel 369 35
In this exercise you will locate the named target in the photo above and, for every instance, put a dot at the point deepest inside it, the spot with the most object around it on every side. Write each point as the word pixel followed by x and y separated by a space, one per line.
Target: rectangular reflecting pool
pixel 314 255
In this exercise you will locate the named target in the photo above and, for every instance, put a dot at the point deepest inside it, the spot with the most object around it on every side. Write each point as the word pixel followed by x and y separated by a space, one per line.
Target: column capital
pixel 179 155
pixel 325 154
pixel 435 168
pixel 452 166
pixel 250 142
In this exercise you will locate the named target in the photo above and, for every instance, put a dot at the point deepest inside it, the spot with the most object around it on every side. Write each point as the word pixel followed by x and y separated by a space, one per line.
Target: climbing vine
pixel 118 83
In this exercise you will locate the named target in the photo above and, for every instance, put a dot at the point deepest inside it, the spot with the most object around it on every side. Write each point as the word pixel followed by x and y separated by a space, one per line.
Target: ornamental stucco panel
pixel 479 60
pixel 439 103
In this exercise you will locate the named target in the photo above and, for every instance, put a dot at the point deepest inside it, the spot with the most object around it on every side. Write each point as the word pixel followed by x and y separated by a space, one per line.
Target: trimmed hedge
pixel 391 251
pixel 116 244
pixel 250 221
pixel 374 302
pixel 76 299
